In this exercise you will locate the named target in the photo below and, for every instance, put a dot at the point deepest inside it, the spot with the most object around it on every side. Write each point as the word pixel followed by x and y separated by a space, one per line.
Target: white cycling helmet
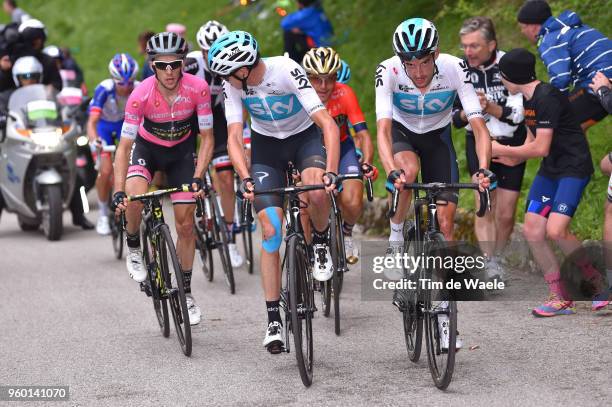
pixel 166 43
pixel 209 32
pixel 231 52
pixel 27 68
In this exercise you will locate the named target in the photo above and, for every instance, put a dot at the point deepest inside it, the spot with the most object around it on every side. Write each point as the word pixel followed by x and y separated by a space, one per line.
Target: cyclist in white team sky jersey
pixel 415 91
pixel 285 112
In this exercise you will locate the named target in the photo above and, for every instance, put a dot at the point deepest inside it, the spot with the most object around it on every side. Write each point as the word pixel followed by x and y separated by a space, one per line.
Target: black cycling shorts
pixel 178 162
pixel 436 153
pixel 510 178
pixel 586 106
pixel 270 157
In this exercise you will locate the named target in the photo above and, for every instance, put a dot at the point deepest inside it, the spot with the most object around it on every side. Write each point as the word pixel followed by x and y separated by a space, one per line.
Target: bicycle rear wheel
pixel 326 287
pixel 412 315
pixel 204 246
pixel 173 280
pixel 441 361
pixel 222 241
pixel 156 283
pixel 301 305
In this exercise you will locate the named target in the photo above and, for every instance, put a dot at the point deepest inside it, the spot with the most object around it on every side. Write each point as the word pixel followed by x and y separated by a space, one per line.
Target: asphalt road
pixel 70 315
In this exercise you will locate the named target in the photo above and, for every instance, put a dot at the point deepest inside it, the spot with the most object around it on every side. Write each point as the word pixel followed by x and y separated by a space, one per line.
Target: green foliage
pixel 97 29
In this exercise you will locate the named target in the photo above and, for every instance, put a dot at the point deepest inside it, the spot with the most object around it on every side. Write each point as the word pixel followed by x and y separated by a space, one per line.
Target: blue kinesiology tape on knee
pixel 272 244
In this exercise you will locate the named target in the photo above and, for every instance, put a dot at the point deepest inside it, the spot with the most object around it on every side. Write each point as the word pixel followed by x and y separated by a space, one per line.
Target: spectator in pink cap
pixel 180 30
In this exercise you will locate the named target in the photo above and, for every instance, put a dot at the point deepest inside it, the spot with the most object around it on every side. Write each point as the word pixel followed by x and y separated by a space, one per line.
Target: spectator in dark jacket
pixel 306 28
pixel 572 52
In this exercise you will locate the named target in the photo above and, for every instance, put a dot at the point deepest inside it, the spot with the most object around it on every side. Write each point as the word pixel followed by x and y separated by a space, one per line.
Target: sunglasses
pixel 172 65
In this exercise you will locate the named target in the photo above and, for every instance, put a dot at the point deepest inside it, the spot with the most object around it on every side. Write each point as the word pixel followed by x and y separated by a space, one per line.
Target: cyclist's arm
pixel 366 146
pixel 92 129
pixel 384 116
pixel 205 125
pixel 129 131
pixel 207 145
pixel 483 141
pixel 235 149
pixel 331 138
pixel 95 109
pixel 383 138
pixel 311 103
pixel 234 114
pixel 122 155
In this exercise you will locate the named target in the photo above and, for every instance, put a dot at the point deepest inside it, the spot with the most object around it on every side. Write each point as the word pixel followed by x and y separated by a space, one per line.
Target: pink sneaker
pixel 554 306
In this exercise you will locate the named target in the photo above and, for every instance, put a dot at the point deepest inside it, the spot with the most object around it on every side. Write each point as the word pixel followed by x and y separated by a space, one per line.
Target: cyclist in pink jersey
pixel 157 135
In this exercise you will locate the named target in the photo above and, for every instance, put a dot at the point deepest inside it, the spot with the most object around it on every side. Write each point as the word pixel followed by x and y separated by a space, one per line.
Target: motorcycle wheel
pixel 52 217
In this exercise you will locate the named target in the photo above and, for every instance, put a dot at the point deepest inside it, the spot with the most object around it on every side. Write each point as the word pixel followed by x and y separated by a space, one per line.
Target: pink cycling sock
pixel 555 285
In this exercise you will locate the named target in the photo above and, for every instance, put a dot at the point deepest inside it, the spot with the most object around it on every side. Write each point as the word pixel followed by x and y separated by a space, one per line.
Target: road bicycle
pixel 420 306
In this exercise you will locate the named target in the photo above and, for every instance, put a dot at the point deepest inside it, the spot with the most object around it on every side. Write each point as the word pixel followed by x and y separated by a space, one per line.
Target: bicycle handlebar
pixel 485 203
pixel 159 193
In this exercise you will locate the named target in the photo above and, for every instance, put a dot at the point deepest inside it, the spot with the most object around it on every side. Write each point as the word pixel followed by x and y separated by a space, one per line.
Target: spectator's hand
pixel 484 102
pixel 599 80
pixel 5 63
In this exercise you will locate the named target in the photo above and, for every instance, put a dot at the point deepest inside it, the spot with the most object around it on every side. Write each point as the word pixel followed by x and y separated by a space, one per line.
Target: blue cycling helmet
pixel 415 38
pixel 123 68
pixel 232 51
pixel 344 73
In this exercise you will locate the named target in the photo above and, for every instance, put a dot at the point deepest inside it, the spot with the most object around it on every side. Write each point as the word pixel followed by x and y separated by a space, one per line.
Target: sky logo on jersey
pixel 432 103
pixel 273 107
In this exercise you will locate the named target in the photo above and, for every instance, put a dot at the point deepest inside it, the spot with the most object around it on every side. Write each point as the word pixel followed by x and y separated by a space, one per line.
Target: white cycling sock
pixel 396 232
pixel 103 208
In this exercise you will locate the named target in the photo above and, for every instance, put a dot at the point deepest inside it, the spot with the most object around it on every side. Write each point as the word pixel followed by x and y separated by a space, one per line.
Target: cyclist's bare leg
pixel 351 200
pixel 319 204
pixel 224 184
pixel 270 261
pixel 446 219
pixel 103 180
pixel 409 162
pixel 505 216
pixel 185 242
pixel 133 213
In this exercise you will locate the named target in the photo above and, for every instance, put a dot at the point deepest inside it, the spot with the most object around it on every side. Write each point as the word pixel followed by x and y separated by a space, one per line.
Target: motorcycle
pixel 37 160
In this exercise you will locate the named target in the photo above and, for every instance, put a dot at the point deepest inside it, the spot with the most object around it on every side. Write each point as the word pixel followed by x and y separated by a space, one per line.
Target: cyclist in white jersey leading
pixel 224 174
pixel 285 111
pixel 415 91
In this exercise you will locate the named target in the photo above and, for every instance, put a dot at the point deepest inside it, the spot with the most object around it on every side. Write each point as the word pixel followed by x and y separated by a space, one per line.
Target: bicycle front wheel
pixel 439 316
pixel 117 235
pixel 173 280
pixel 339 260
pixel 156 283
pixel 412 315
pixel 301 305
